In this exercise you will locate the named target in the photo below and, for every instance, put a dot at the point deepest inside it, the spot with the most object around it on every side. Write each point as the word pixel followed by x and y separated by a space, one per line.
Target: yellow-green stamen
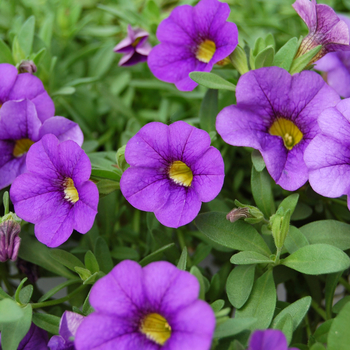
pixel 137 40
pixel 70 192
pixel 21 147
pixel 156 328
pixel 205 51
pixel 289 132
pixel 180 173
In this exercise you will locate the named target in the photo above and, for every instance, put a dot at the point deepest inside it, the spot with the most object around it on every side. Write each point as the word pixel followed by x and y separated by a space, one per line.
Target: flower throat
pixel 289 132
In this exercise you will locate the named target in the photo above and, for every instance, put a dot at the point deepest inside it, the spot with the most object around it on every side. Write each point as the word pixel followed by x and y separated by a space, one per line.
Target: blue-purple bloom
pixel 69 324
pixel 192 39
pixel 277 113
pixel 325 28
pixel 328 154
pixel 55 193
pixel 9 237
pixel 20 127
pixel 173 169
pixel 153 308
pixel 135 47
pixel 269 339
pixel 14 87
pixel 35 339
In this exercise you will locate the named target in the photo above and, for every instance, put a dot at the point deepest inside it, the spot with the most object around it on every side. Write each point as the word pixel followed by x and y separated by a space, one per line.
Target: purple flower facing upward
pixel 69 324
pixel 35 339
pixel 153 308
pixel 173 169
pixel 269 339
pixel 328 154
pixel 14 86
pixel 325 28
pixel 135 47
pixel 9 240
pixel 55 193
pixel 277 113
pixel 192 39
pixel 20 127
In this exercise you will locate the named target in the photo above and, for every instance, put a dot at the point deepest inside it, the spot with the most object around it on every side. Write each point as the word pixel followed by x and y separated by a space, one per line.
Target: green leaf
pixel 317 346
pixel 217 305
pixel 340 304
pixel 331 284
pixel 25 36
pixel 56 289
pixel 25 294
pixel 103 255
pixel 83 272
pixel 295 240
pixel 239 284
pixel 297 311
pixel 339 335
pixel 212 81
pixel 123 253
pixel 67 259
pixel 91 262
pixel 5 54
pixel 233 326
pixel 258 160
pixel 265 57
pixel 285 55
pixel 209 110
pixel 262 302
pixel 183 260
pixel 107 186
pixel 303 61
pixel 156 255
pixel 12 333
pixel 285 324
pixel 47 322
pixel 331 232
pixel 3 294
pixel 317 259
pixel 322 331
pixel 238 235
pixel 262 193
pixel 10 311
pixel 289 202
pixel 19 288
pixel 247 258
pixel 301 212
pixel 66 90
pixel 195 272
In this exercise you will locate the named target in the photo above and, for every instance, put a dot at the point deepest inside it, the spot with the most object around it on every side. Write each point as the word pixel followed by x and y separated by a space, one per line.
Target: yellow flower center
pixel 180 173
pixel 205 51
pixel 70 192
pixel 156 328
pixel 137 40
pixel 289 132
pixel 223 62
pixel 21 146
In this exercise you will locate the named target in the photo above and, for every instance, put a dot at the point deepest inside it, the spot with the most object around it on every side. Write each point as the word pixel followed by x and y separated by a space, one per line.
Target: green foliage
pixel 212 81
pixel 339 335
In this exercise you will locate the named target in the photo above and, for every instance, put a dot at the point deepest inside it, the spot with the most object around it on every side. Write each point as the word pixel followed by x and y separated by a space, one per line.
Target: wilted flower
pixel 325 28
pixel 69 324
pixel 277 113
pixel 20 127
pixel 269 339
pixel 173 169
pixel 135 47
pixel 237 213
pixel 55 193
pixel 14 86
pixel 27 67
pixel 192 39
pixel 328 154
pixel 153 308
pixel 9 240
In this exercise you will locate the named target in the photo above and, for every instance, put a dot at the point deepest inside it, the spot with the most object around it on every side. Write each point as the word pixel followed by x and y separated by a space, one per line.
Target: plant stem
pixel 318 309
pixel 345 283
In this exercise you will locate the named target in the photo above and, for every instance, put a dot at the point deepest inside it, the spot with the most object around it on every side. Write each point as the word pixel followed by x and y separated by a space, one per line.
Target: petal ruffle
pixel 11 169
pixel 8 76
pixel 306 9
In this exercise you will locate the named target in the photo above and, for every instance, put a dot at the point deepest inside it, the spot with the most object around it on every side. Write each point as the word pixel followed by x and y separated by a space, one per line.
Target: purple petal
pixel 123 283
pixel 64 129
pixel 143 47
pixel 226 40
pixel 339 80
pixel 8 76
pixel 267 340
pixel 307 11
pixel 167 288
pixel 35 339
pixel 11 169
pixel 69 324
pixel 329 62
pixel 132 59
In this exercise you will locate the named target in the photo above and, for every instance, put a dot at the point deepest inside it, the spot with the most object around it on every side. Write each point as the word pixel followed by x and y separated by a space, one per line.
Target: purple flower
pixel 35 339
pixel 9 240
pixel 192 39
pixel 269 339
pixel 153 308
pixel 69 324
pixel 325 28
pixel 276 113
pixel 14 86
pixel 135 47
pixel 328 154
pixel 173 169
pixel 55 193
pixel 20 127
pixel 337 68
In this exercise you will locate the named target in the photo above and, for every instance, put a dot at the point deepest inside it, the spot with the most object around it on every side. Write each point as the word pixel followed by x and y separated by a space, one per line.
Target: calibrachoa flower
pixel 269 339
pixel 276 113
pixel 20 127
pixel 153 308
pixel 69 324
pixel 328 154
pixel 325 28
pixel 14 86
pixel 35 339
pixel 192 39
pixel 173 169
pixel 135 47
pixel 9 240
pixel 55 193
pixel 337 68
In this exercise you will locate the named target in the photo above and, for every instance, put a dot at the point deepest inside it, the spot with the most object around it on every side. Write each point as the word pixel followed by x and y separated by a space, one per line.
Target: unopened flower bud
pixel 9 239
pixel 279 223
pixel 247 212
pixel 27 67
